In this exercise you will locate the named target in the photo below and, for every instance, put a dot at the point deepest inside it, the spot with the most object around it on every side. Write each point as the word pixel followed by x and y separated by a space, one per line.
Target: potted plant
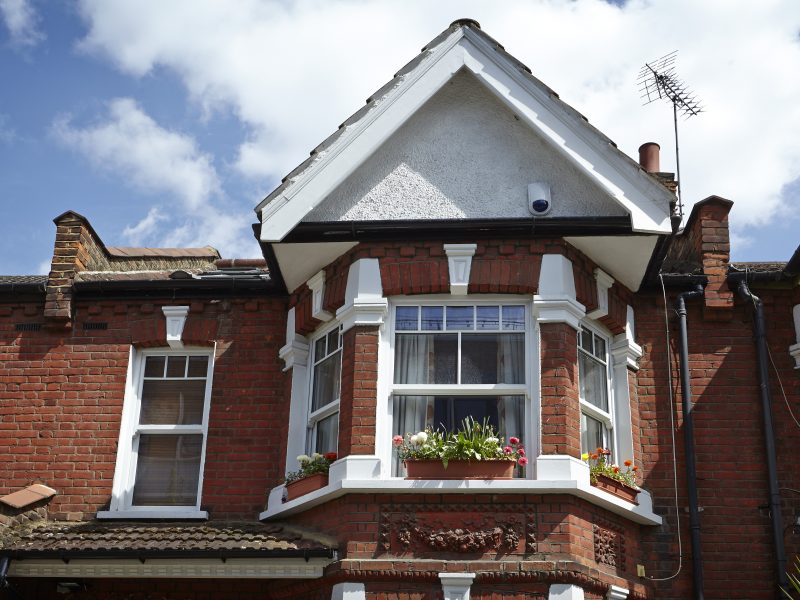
pixel 473 452
pixel 312 475
pixel 610 477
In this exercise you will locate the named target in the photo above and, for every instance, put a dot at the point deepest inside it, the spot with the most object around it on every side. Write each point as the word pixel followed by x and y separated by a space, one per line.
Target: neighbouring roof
pixel 23 279
pixel 106 539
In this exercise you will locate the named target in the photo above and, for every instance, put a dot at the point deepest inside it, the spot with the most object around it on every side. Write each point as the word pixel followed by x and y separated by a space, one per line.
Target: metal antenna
pixel 657 81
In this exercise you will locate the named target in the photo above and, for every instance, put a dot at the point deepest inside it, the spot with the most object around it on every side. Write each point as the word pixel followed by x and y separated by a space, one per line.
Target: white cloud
pixel 144 229
pixel 292 72
pixel 22 22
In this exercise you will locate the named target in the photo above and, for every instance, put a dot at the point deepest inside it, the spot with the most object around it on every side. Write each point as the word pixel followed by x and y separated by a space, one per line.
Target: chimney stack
pixel 649 157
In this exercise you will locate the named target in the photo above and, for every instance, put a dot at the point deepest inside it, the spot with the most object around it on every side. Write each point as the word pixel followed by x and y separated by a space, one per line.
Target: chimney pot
pixel 649 157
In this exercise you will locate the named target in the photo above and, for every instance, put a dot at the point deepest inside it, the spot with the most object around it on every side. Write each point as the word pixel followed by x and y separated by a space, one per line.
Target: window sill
pixel 560 475
pixel 176 515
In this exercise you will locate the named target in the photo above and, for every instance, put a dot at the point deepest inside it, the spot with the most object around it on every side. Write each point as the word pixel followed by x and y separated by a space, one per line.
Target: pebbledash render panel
pixel 464 245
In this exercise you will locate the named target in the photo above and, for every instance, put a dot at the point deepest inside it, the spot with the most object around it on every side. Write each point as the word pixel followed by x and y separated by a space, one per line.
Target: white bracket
pixel 556 301
pixel 455 586
pixel 565 591
pixel 176 319
pixel 604 282
pixel 459 263
pixel 295 351
pixel 317 286
pixel 616 592
pixel 364 303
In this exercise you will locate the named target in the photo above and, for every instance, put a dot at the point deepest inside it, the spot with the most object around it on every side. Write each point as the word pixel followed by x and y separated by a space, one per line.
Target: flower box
pixel 303 486
pixel 460 469
pixel 617 488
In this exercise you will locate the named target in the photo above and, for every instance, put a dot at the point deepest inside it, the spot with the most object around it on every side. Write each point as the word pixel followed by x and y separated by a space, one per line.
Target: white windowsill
pixel 198 515
pixel 576 485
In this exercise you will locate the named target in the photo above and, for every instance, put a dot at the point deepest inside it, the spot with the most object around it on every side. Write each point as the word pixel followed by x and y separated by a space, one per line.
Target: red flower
pixel 635 468
pixel 600 450
pixel 330 455
pixel 397 440
pixel 521 451
pixel 628 463
pixel 616 469
pixel 507 450
pixel 522 461
pixel 594 456
pixel 513 440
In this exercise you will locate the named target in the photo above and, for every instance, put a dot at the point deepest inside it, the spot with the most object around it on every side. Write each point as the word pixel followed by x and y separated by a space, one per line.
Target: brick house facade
pixel 152 400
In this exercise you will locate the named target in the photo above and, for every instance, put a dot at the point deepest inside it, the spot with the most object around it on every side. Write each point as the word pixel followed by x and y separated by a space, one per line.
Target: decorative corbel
pixel 176 319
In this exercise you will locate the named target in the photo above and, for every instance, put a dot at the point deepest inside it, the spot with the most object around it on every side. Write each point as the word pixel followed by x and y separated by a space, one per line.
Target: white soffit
pixel 637 192
pixel 624 257
pixel 300 262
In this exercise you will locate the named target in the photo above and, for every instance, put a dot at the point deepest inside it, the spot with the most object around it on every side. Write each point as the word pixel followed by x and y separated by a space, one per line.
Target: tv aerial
pixel 658 81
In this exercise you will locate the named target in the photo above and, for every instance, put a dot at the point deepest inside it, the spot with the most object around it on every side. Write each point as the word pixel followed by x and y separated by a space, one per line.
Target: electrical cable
pixel 672 433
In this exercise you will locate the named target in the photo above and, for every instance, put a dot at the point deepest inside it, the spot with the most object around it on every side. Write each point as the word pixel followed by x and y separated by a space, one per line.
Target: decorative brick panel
pixel 559 390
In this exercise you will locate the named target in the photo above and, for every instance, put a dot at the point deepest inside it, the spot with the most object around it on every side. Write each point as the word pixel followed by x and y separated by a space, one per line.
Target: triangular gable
pixel 465 47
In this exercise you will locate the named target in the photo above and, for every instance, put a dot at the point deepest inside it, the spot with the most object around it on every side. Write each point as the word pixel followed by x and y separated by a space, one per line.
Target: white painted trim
pixel 459 265
pixel 295 351
pixel 641 513
pixel 455 586
pixel 359 467
pixel 616 592
pixel 794 349
pixel 604 281
pixel 364 303
pixel 141 513
pixel 621 357
pixel 176 319
pixel 194 568
pixel 558 310
pixel 317 286
pixel 556 301
pixel 348 591
pixel 565 591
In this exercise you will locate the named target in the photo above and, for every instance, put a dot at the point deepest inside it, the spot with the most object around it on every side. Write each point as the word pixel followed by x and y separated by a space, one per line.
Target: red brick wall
pixel 61 397
pixel 358 404
pixel 559 390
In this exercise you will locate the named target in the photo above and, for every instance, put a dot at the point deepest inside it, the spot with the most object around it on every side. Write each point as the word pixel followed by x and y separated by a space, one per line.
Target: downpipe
pixel 760 332
pixel 688 441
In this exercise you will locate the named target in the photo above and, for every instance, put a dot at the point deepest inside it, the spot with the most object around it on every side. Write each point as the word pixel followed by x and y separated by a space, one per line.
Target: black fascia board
pixel 413 229
pixel 22 289
pixel 177 288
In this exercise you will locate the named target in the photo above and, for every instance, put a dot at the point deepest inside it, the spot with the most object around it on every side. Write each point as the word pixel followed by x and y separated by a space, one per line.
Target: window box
pixel 460 469
pixel 616 488
pixel 303 486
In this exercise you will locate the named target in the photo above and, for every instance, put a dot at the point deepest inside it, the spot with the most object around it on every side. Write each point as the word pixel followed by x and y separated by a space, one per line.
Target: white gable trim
pixel 579 143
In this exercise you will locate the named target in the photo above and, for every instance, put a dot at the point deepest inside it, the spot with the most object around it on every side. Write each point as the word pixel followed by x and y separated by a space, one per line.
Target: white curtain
pixel 413 363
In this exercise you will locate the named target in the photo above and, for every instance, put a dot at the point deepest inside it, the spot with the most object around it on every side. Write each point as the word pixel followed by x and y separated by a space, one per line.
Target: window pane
pixel 166 402
pixel 514 318
pixel 488 317
pixel 333 340
pixel 154 366
pixel 460 317
pixel 600 348
pixel 176 366
pixel 326 381
pixel 168 470
pixel 592 434
pixel 198 366
pixel 319 349
pixel 414 413
pixel 406 318
pixel 328 434
pixel 586 340
pixel 492 358
pixel 432 318
pixel 593 381
pixel 425 358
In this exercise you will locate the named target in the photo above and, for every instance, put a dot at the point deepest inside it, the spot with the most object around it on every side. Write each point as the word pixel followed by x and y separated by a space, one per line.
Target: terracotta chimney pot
pixel 649 157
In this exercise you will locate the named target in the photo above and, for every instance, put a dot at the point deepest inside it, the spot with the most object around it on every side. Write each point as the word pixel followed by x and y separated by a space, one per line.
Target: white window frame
pixel 526 389
pixel 315 416
pixel 121 506
pixel 607 418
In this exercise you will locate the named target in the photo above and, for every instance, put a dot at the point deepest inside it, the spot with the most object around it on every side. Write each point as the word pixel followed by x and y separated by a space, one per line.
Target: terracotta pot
pixel 460 469
pixel 617 488
pixel 305 485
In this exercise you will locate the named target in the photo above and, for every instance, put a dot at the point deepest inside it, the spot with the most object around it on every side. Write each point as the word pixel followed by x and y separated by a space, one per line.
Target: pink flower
pixel 507 450
pixel 513 440
pixel 522 461
pixel 397 440
pixel 521 451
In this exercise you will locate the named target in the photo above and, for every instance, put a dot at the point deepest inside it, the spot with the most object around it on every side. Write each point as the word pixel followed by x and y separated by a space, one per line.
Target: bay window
pixel 593 374
pixel 323 418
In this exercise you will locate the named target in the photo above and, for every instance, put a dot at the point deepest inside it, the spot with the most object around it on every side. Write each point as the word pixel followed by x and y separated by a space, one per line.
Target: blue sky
pixel 165 123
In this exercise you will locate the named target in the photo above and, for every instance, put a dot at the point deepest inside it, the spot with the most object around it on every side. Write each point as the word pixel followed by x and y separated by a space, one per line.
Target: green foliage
pixel 311 465
pixel 600 464
pixel 472 441
pixel 794 580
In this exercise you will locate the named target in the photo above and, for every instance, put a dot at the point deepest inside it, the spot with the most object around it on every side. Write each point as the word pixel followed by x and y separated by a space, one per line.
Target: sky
pixel 165 123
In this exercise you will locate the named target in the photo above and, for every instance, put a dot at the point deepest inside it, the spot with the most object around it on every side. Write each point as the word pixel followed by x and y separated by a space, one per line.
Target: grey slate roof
pixel 22 279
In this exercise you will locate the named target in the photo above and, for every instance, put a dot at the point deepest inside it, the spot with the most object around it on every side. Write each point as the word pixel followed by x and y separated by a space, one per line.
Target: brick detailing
pixel 609 546
pixel 506 267
pixel 618 300
pixel 358 399
pixel 559 390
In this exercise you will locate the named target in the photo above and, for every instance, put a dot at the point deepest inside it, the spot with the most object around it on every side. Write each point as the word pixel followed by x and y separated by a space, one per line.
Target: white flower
pixel 316 456
pixel 415 439
pixel 422 437
pixel 303 459
pixel 492 440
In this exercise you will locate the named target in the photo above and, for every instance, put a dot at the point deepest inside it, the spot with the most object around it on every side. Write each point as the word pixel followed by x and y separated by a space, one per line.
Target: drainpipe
pixel 759 328
pixel 688 441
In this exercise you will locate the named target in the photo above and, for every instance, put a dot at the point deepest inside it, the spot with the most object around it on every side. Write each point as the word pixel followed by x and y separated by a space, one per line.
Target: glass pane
pixel 176 366
pixel 319 349
pixel 600 348
pixel 168 470
pixel 414 413
pixel 586 340
pixel 333 340
pixel 460 317
pixel 514 318
pixel 198 366
pixel 593 381
pixel 592 434
pixel 432 318
pixel 492 358
pixel 406 318
pixel 327 377
pixel 154 366
pixel 488 317
pixel 425 358
pixel 327 439
pixel 167 402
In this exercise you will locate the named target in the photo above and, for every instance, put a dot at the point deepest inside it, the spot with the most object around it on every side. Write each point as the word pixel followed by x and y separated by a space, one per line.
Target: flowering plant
pixel 600 464
pixel 472 441
pixel 311 465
